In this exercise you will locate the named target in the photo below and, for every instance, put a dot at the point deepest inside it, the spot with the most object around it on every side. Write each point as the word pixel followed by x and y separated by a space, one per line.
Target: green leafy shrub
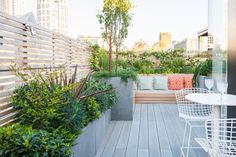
pixel 144 66
pixel 99 58
pixel 92 109
pixel 48 108
pixel 124 74
pixel 54 109
pixel 24 141
pixel 106 100
pixel 203 69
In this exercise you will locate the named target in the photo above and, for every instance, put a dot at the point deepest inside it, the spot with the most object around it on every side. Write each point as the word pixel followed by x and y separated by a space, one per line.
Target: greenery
pixel 99 63
pixel 203 69
pixel 99 59
pixel 124 74
pixel 130 63
pixel 24 141
pixel 92 109
pixel 54 109
pixel 115 20
pixel 106 100
pixel 176 62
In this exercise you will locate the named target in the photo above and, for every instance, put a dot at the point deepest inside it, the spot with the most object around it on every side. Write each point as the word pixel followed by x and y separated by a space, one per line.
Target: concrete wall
pixel 123 109
pixel 88 143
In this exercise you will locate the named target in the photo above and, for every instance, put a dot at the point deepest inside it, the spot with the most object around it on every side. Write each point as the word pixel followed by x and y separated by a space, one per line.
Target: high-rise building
pixel 12 7
pixel 53 14
pixel 4 6
pixel 16 7
pixel 165 41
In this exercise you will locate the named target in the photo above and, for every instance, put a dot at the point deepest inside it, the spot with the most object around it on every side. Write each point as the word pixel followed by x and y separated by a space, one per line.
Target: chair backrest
pixel 221 137
pixel 188 109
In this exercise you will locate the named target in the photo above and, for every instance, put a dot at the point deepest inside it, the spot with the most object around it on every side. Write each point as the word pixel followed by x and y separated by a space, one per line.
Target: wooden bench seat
pixel 154 97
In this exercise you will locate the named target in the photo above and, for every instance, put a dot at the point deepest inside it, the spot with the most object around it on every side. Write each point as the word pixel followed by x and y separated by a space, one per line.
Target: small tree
pixel 115 20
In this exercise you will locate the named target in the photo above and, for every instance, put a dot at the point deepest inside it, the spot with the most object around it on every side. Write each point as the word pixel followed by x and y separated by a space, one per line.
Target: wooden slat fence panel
pixel 43 49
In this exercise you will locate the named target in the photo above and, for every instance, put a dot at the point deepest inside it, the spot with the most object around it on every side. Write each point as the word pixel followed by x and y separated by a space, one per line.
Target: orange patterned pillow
pixel 188 82
pixel 176 83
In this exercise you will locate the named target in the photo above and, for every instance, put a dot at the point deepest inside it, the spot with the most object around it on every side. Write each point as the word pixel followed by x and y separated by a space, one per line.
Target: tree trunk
pixel 117 57
pixel 110 55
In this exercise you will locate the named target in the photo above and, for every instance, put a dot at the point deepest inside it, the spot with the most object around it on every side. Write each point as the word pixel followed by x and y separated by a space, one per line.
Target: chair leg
pixel 183 142
pixel 189 140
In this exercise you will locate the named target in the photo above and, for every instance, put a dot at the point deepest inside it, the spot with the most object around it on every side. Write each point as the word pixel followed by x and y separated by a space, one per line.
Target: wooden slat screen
pixel 39 50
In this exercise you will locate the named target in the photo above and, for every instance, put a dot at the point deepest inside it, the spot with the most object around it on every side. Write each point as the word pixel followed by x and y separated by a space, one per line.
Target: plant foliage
pixel 52 110
pixel 21 141
pixel 115 20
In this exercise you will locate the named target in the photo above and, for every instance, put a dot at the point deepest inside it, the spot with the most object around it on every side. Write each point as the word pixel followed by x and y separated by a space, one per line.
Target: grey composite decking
pixel 156 131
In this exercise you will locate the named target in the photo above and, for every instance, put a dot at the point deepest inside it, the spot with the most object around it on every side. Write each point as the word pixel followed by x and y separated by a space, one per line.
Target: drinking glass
pixel 222 87
pixel 209 82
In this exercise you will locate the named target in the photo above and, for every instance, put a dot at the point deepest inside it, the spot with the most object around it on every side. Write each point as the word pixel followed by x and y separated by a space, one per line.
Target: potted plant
pixel 201 72
pixel 122 82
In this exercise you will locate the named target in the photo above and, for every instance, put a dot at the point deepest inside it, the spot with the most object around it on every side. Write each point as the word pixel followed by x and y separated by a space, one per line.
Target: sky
pixel 182 18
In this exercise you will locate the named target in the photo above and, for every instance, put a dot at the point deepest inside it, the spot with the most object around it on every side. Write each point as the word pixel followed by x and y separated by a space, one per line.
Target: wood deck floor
pixel 156 131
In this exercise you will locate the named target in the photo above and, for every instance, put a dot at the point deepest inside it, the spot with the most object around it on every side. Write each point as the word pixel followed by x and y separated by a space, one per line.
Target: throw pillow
pixel 145 82
pixel 160 82
pixel 188 82
pixel 176 82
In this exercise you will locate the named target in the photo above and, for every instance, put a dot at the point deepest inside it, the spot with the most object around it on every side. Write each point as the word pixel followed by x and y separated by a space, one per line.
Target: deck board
pixel 154 147
pixel 132 147
pixel 156 131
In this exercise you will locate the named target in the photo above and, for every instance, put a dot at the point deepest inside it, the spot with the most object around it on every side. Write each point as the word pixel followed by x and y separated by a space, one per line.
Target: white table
pixel 213 99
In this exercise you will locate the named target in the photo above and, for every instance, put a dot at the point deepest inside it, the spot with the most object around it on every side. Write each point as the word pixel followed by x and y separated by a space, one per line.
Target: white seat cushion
pixel 145 82
pixel 160 82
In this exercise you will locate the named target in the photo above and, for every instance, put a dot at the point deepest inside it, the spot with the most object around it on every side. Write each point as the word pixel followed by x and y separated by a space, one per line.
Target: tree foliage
pixel 115 20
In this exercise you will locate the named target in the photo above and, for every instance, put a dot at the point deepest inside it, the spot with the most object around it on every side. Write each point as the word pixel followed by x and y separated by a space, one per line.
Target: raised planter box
pixel 201 82
pixel 88 143
pixel 123 109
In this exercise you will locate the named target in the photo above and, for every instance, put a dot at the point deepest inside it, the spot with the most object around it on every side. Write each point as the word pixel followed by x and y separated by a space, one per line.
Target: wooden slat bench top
pixel 154 97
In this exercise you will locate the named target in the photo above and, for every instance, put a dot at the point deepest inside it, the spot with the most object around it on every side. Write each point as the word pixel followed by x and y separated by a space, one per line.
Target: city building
pixel 190 45
pixel 165 41
pixel 205 42
pixel 92 40
pixel 140 47
pixel 12 7
pixel 53 14
pixel 4 6
pixel 202 42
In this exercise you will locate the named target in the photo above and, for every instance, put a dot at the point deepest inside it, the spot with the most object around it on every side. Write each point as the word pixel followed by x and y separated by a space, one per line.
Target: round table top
pixel 212 99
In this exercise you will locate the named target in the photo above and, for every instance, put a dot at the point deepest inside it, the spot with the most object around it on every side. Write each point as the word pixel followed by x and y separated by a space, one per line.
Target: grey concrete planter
pixel 201 82
pixel 123 109
pixel 87 144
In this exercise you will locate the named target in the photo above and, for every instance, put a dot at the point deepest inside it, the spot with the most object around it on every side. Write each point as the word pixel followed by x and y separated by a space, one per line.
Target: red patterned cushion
pixel 188 82
pixel 176 82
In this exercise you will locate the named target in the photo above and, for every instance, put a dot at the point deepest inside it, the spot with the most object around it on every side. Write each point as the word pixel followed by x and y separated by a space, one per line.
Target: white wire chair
pixel 221 137
pixel 191 112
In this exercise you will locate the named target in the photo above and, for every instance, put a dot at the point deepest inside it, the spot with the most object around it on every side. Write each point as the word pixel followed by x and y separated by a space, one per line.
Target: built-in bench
pixel 152 95
pixel 155 97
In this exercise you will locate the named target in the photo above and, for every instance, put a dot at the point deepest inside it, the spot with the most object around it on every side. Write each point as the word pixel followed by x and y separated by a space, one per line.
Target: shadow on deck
pixel 156 131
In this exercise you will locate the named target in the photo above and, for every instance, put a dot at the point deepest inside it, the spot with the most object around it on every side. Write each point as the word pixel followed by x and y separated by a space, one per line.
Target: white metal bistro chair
pixel 191 112
pixel 221 137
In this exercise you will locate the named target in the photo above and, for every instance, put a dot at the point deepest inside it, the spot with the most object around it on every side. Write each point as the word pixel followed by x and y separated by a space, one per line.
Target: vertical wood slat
pixel 44 49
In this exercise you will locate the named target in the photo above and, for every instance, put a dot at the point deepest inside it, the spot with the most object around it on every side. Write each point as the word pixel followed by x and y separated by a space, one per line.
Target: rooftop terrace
pixel 156 131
